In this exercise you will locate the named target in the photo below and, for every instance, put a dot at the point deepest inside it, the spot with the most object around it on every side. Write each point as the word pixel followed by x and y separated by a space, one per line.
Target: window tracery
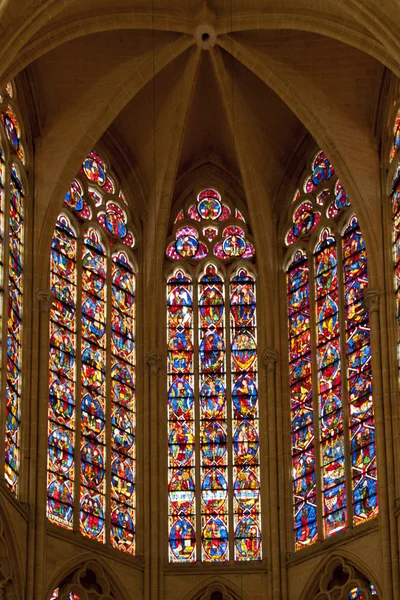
pixel 12 216
pixel 212 387
pixel 333 431
pixel 91 427
pixel 342 581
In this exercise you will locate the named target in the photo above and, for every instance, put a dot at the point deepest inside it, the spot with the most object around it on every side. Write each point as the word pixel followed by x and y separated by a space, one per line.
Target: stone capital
pixel 371 298
pixel 45 299
pixel 270 358
pixel 154 362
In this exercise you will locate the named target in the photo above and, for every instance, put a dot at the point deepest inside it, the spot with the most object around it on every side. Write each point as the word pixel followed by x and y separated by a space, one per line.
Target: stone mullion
pixel 315 394
pixel 78 384
pixel 196 332
pixel 344 383
pixel 229 418
pixel 108 401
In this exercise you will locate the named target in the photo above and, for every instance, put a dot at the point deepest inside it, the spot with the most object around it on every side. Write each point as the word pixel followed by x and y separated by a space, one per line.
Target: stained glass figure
pixel 322 170
pixel 305 219
pixel 330 354
pixel 14 329
pixel 61 410
pixel 329 377
pixel 213 417
pixel 12 200
pixel 103 368
pixel 303 453
pixel 95 170
pixel 221 437
pixel 209 204
pixel 396 137
pixel 181 425
pixel 123 463
pixel 246 460
pixel 359 376
pixel 74 199
pixel 114 222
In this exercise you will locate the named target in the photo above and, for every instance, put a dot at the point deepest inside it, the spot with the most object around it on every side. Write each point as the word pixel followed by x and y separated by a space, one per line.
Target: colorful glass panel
pixel 246 458
pixel 123 459
pixel 303 453
pixel 181 419
pixel 305 219
pixel 14 329
pixel 329 377
pixel 74 199
pixel 61 408
pixel 114 222
pixel 213 417
pixel 359 375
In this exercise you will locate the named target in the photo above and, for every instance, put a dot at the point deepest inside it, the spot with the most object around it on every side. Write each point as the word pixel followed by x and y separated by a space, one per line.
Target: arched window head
pixel 342 581
pixel 213 431
pixel 333 430
pixel 91 431
pixel 88 581
pixel 12 242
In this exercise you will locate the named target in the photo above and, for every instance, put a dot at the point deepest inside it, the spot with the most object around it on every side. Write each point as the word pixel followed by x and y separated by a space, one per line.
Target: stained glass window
pixel 93 284
pixel 12 200
pixel 213 430
pixel 333 455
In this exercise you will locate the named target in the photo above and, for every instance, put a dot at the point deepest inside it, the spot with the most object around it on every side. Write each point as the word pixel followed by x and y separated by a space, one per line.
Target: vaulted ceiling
pixel 179 86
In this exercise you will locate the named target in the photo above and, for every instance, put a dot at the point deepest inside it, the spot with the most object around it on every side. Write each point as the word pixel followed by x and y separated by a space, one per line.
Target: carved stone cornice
pixel 371 298
pixel 45 299
pixel 269 359
pixel 154 361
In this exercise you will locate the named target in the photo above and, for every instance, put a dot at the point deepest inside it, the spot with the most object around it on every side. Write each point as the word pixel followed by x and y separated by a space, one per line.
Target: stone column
pixel 152 554
pixel 270 357
pixel 371 298
pixel 39 463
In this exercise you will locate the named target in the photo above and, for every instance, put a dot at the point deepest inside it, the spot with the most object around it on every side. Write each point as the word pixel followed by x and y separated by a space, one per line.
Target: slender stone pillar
pixel 371 297
pixel 152 562
pixel 38 464
pixel 270 357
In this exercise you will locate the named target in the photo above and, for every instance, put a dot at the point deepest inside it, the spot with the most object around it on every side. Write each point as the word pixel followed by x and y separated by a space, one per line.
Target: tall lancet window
pixel 12 242
pixel 395 156
pixel 332 413
pixel 91 426
pixel 213 414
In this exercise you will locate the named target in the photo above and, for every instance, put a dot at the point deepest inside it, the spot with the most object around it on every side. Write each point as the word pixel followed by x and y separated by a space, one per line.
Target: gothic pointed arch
pixel 330 373
pixel 91 425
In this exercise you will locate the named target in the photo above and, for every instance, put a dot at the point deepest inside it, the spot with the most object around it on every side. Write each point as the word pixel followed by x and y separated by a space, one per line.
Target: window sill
pixel 216 568
pixel 74 537
pixel 341 539
pixel 21 507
